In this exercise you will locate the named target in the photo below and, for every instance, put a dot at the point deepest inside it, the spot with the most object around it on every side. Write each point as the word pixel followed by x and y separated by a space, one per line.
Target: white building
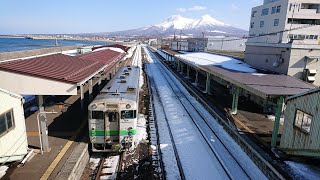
pixel 284 38
pixel 224 43
pixel 189 44
pixel 13 136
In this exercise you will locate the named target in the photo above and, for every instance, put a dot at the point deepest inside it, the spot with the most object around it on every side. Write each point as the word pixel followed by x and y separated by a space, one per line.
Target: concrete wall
pixel 293 137
pixel 29 85
pixel 226 44
pixel 268 58
pixel 13 144
pixel 298 63
pixel 283 60
pixel 35 52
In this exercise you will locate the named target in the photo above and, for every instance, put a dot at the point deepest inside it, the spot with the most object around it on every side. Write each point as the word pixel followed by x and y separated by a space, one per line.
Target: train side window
pixel 130 114
pixel 97 115
pixel 113 116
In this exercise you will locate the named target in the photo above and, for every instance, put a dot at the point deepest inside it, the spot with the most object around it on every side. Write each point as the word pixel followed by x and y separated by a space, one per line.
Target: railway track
pixel 228 162
pixel 108 168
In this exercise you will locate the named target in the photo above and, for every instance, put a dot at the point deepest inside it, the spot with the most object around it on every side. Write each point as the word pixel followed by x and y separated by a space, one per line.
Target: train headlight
pixel 128 106
pixel 94 106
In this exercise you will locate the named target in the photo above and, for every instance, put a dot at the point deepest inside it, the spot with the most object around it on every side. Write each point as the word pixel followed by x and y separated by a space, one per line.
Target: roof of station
pixel 124 48
pixel 57 67
pixel 170 52
pixel 263 85
pixel 107 57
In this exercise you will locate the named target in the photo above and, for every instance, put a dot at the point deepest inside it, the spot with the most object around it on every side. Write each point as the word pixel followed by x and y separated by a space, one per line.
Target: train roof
pixel 124 85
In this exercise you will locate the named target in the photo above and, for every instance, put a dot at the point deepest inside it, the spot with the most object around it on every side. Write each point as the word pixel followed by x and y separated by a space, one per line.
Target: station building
pixel 300 134
pixel 284 38
pixel 13 136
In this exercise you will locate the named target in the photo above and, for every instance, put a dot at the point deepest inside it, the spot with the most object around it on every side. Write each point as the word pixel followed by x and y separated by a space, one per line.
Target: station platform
pixel 66 130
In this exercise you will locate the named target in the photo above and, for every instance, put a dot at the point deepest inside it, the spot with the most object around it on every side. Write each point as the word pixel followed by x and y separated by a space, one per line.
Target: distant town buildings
pixel 284 38
pixel 189 44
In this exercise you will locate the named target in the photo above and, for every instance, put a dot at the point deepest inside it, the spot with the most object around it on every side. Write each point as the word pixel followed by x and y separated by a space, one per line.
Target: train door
pixel 112 127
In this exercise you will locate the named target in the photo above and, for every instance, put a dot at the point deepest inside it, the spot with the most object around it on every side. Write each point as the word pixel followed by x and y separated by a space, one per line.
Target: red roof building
pixel 57 67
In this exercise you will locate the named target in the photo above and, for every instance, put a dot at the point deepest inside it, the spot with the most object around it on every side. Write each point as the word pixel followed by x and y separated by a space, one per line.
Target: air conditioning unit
pixel 310 75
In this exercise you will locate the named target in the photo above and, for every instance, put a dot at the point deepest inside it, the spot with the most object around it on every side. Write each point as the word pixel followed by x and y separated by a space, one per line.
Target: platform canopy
pixel 55 74
pixel 242 75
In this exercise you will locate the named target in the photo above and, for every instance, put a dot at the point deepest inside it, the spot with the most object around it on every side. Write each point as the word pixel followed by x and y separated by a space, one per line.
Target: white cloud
pixel 194 8
pixel 234 6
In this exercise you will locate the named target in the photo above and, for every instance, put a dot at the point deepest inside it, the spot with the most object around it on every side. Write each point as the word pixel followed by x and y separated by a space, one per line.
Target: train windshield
pixel 129 114
pixel 97 115
pixel 113 116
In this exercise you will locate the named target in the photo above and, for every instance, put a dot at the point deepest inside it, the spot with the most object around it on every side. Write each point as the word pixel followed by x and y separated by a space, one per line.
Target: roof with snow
pixel 58 67
pixel 124 48
pixel 246 77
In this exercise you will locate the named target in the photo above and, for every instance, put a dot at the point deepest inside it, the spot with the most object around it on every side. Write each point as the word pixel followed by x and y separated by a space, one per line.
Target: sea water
pixel 21 44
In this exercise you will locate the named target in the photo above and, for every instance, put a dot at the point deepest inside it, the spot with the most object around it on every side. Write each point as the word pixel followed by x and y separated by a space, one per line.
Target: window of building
pixel 278 9
pixel 273 10
pixel 129 114
pixel 265 12
pixel 252 25
pixel 303 120
pixel 6 122
pixel 261 24
pixel 254 13
pixel 276 22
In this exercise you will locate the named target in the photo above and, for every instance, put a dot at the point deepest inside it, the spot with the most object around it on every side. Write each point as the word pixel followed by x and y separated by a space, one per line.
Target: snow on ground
pixel 303 171
pixel 168 157
pixel 94 161
pixel 217 60
pixel 185 135
pixel 137 61
pixel 130 52
pixel 272 117
pixel 196 159
pixel 141 129
pixel 162 54
pixel 3 170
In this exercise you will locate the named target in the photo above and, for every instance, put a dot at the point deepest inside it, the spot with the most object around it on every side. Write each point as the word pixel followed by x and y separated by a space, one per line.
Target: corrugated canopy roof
pixel 57 67
pixel 261 84
pixel 107 57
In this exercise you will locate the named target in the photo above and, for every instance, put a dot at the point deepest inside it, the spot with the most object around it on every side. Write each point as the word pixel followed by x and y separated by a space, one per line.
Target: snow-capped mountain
pixel 185 26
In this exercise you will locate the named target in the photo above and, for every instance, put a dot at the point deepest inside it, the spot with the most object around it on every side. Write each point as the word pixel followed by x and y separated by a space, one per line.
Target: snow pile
pixel 94 162
pixel 3 170
pixel 141 129
pixel 217 60
pixel 110 48
pixel 130 52
pixel 303 171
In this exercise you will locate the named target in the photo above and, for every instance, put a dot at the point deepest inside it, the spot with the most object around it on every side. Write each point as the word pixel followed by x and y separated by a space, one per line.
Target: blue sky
pixel 76 16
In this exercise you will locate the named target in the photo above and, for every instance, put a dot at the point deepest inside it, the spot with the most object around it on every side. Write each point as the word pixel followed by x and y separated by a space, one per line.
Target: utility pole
pixel 294 8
